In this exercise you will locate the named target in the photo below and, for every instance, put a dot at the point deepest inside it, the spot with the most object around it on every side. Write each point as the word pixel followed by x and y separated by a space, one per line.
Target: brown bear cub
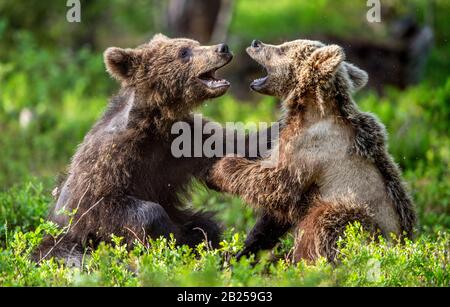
pixel 331 164
pixel 124 179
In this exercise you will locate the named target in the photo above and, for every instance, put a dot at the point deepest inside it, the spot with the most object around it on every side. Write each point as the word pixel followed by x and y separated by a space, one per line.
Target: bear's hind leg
pixel 201 226
pixel 62 248
pixel 264 235
pixel 148 219
pixel 319 231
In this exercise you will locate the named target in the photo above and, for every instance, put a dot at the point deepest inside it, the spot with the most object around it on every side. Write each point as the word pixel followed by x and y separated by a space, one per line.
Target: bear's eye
pixel 185 53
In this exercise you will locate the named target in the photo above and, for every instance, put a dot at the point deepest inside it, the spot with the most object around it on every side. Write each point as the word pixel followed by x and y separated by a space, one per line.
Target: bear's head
pixel 176 74
pixel 302 66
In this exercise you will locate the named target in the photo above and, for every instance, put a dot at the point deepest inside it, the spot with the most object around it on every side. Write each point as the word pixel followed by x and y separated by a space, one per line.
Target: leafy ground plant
pixel 54 87
pixel 361 262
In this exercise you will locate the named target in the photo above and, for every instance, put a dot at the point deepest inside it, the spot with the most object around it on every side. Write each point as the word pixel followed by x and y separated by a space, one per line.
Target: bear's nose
pixel 256 43
pixel 223 48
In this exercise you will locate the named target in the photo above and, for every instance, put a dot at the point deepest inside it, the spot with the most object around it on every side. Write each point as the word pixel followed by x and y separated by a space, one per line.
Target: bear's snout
pixel 223 48
pixel 256 43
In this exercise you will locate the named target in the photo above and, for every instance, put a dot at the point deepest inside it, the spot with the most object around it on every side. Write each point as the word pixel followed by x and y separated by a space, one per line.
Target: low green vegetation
pixel 50 97
pixel 361 262
pixel 419 140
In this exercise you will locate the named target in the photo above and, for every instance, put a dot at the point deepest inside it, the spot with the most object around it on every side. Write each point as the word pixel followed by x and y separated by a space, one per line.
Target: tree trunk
pixel 200 19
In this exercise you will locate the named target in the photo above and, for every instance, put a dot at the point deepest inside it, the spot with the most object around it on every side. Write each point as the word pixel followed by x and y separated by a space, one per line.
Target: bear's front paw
pixel 231 163
pixel 224 169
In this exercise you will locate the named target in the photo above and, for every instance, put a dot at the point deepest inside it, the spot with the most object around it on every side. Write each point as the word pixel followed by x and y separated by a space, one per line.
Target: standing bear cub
pixel 331 163
pixel 123 179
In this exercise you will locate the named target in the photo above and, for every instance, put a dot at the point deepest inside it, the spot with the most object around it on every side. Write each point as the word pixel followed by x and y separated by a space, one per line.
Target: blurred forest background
pixel 53 84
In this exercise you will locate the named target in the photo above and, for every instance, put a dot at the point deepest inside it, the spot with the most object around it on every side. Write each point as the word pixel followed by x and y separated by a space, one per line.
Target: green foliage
pixel 413 115
pixel 54 86
pixel 42 121
pixel 380 263
pixel 23 207
pixel 287 19
pixel 416 120
pixel 100 21
pixel 258 19
pixel 361 262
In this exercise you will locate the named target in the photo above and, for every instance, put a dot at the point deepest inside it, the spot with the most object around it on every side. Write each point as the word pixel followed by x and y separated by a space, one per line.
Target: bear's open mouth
pixel 259 83
pixel 209 79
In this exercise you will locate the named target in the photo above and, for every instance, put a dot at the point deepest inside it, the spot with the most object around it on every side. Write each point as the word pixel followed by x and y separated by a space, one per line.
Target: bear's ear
pixel 159 36
pixel 358 77
pixel 119 62
pixel 325 61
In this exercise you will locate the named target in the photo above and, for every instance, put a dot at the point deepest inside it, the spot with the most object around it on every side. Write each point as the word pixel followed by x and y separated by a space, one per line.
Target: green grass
pixel 416 120
pixel 361 262
pixel 65 90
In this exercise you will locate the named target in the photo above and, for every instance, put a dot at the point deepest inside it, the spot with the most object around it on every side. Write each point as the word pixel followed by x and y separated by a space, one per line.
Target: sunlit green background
pixel 53 86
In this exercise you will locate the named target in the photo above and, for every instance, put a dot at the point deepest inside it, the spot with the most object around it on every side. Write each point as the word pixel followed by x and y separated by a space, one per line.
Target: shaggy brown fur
pixel 319 231
pixel 123 179
pixel 333 166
